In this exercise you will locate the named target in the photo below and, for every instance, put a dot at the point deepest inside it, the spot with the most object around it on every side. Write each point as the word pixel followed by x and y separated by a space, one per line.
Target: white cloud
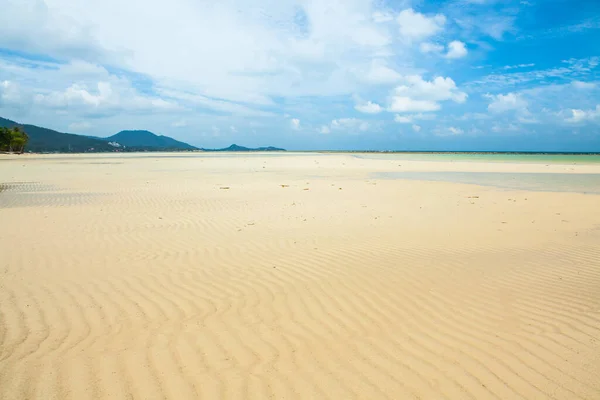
pixel 406 104
pixel 579 116
pixel 470 116
pixel 10 94
pixel 295 122
pixel 490 24
pixel 233 129
pixel 257 50
pixel 79 126
pixel 419 95
pixel 427 47
pixel 409 119
pixel 439 89
pixel 510 127
pixel 509 102
pixel 32 26
pixel 368 108
pixel 526 118
pixel 349 125
pixel 81 88
pixel 105 97
pixel 416 128
pixel 417 26
pixel 583 85
pixel 573 69
pixel 324 129
pixel 519 66
pixel 401 119
pixel 456 49
pixel 449 131
pixel 380 73
pixel 382 16
pixel 223 106
pixel 179 123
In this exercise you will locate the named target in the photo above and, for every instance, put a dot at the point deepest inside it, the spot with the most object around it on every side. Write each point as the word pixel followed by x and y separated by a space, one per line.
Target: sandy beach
pixel 294 276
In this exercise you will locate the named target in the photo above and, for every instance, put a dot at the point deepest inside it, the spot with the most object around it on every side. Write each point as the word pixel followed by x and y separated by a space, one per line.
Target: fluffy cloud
pixel 417 26
pixel 456 49
pixel 80 88
pixel 449 131
pixel 416 128
pixel 403 119
pixel 101 99
pixel 380 73
pixel 438 89
pixel 270 57
pixel 579 116
pixel 324 130
pixel 257 50
pixel 346 125
pixel 10 94
pixel 509 102
pixel 419 95
pixel 583 85
pixel 368 108
pixel 427 47
pixel 409 119
pixel 407 104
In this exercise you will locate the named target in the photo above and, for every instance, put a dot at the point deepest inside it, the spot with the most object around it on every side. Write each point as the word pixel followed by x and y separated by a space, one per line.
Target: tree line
pixel 13 139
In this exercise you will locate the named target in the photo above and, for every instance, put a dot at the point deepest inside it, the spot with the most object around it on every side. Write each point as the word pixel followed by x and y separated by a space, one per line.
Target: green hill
pixel 235 147
pixel 43 140
pixel 49 141
pixel 148 140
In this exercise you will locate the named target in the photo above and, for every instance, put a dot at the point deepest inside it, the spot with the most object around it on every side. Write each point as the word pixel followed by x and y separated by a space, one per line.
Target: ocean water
pixel 541 158
pixel 545 182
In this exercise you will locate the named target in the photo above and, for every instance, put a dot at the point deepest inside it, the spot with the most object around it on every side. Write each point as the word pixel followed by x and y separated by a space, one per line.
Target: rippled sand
pixel 295 276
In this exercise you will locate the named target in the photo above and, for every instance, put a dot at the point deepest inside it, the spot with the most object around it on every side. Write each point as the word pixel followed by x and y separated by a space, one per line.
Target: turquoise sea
pixel 545 182
pixel 552 182
pixel 540 158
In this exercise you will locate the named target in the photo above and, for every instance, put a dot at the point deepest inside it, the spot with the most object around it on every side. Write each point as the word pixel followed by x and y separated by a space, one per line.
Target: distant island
pixel 43 140
pixel 235 147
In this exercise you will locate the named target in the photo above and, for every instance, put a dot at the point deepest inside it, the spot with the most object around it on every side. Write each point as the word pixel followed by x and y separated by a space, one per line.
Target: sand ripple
pixel 168 287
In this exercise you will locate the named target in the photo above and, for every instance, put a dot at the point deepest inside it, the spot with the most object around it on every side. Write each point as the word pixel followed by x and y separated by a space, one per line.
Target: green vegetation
pixel 13 139
pixel 43 140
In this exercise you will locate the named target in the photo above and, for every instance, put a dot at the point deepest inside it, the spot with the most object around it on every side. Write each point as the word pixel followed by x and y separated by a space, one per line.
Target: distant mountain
pixel 43 140
pixel 49 141
pixel 235 147
pixel 145 140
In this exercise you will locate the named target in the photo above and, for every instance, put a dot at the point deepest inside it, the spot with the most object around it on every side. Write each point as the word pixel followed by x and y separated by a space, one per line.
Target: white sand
pixel 142 277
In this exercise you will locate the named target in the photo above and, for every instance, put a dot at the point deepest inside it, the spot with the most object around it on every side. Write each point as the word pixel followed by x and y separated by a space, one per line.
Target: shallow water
pixel 491 157
pixel 545 182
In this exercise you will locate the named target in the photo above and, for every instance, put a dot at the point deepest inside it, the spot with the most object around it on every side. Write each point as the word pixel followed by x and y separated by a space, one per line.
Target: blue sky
pixel 310 74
